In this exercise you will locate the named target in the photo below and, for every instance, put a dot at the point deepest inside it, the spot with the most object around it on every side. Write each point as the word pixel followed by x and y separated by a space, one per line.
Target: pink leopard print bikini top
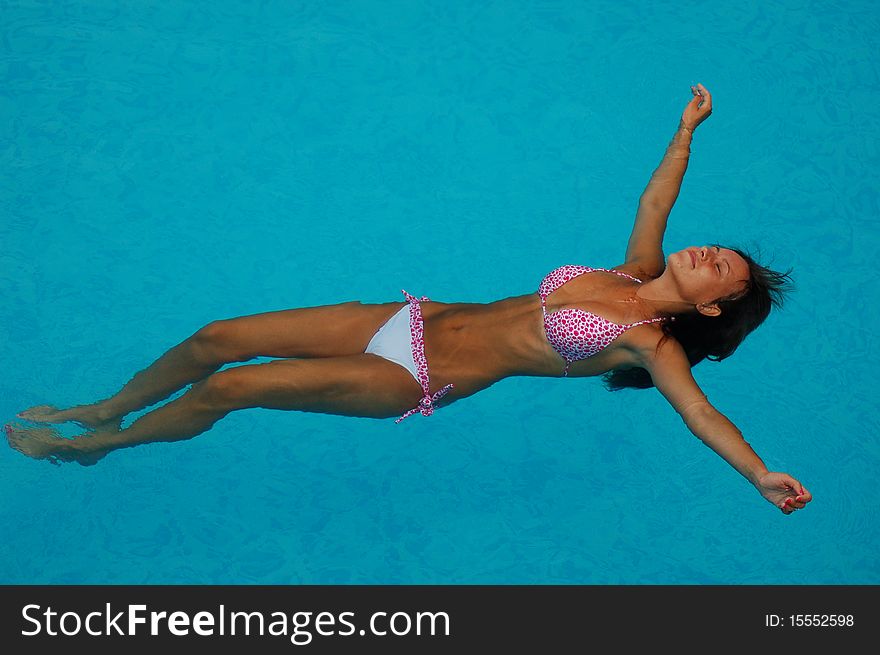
pixel 574 333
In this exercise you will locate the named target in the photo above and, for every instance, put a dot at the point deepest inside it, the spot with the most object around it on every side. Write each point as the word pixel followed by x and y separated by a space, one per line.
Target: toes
pixel 12 435
pixel 10 440
pixel 15 441
pixel 37 443
pixel 38 410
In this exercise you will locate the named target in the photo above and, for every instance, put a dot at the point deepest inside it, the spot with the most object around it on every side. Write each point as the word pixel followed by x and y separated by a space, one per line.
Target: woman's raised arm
pixel 665 183
pixel 645 247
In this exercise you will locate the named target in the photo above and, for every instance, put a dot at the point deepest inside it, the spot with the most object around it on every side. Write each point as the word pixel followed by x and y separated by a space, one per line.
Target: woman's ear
pixel 709 309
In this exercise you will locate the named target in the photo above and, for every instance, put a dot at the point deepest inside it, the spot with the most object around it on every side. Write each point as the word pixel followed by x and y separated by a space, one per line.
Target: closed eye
pixel 718 266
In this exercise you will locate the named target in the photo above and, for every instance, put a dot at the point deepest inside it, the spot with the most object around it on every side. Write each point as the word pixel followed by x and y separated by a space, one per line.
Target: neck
pixel 658 296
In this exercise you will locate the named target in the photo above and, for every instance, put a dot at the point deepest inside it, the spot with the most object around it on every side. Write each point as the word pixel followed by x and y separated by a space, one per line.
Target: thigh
pixel 325 331
pixel 363 385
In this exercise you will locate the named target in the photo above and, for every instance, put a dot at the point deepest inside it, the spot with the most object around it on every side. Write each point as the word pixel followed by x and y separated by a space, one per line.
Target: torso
pixel 473 345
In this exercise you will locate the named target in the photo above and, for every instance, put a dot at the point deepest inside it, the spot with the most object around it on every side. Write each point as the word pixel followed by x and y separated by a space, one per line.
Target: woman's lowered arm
pixel 671 373
pixel 721 435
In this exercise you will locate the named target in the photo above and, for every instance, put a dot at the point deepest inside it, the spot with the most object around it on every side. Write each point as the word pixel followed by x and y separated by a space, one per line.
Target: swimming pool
pixel 168 164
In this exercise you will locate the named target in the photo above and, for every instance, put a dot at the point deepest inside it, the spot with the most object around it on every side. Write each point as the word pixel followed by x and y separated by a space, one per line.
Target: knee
pixel 223 390
pixel 215 343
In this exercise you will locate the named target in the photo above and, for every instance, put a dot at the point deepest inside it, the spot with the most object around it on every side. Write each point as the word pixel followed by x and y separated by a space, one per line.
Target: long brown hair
pixel 716 337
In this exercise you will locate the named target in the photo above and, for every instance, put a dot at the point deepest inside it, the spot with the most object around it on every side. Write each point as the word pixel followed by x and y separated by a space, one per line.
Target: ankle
pixel 104 413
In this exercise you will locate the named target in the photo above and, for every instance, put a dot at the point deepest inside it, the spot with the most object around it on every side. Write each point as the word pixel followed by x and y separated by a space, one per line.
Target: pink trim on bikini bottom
pixel 416 325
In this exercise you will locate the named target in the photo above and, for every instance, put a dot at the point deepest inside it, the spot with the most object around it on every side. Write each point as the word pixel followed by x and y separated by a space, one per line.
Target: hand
pixel 695 112
pixel 783 491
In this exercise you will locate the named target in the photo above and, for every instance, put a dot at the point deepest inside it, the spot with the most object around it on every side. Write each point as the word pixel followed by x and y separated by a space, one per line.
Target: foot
pixel 90 417
pixel 46 443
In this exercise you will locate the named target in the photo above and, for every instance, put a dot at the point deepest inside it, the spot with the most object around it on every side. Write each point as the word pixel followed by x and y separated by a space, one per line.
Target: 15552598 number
pixel 821 620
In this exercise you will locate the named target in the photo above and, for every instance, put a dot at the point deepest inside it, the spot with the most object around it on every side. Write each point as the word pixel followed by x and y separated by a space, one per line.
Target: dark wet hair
pixel 716 337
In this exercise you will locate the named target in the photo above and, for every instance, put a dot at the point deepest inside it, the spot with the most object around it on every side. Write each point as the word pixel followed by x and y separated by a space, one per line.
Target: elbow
pixel 697 415
pixel 695 407
pixel 650 198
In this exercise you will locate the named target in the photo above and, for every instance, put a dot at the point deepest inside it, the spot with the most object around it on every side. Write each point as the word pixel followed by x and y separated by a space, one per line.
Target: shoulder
pixel 648 343
pixel 653 349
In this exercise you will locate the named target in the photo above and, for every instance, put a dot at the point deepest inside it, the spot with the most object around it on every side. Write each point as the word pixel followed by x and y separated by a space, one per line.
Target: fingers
pixel 791 504
pixel 701 94
pixel 794 485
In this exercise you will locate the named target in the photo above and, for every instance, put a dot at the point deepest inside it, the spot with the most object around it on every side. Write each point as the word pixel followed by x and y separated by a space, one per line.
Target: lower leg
pixel 185 363
pixel 180 366
pixel 183 418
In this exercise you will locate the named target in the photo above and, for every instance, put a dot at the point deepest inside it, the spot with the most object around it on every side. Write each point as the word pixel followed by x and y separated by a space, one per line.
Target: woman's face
pixel 705 273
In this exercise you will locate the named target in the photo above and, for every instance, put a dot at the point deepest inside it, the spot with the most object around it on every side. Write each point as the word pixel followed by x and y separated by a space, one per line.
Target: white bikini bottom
pixel 393 341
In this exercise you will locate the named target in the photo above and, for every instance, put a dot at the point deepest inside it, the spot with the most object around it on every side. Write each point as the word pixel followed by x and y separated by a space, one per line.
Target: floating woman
pixel 644 323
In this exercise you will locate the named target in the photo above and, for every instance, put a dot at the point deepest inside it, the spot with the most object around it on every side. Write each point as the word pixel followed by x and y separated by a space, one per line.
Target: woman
pixel 653 321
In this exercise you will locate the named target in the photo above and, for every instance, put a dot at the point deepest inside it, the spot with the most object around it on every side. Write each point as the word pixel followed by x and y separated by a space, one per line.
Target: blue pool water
pixel 168 163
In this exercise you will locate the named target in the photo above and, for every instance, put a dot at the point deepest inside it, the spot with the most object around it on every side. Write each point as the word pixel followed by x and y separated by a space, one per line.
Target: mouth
pixel 693 258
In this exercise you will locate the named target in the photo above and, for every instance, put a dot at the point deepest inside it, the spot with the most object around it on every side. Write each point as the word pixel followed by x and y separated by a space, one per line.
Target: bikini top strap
pixel 611 270
pixel 651 320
